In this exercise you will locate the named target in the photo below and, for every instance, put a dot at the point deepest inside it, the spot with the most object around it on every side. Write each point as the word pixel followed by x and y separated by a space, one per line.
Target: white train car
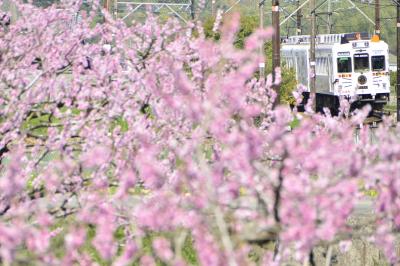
pixel 348 65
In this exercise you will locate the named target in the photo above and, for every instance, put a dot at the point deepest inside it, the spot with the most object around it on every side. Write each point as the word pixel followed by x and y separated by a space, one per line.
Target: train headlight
pixel 362 79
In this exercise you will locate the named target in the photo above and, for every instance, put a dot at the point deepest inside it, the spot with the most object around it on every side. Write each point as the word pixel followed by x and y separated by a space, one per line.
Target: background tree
pixel 249 24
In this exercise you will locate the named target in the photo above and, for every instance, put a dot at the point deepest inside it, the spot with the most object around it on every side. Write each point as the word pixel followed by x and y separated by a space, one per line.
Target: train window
pixel 378 62
pixel 361 62
pixel 344 64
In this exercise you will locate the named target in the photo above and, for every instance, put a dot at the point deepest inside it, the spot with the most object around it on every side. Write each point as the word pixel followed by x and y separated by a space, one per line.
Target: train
pixel 354 66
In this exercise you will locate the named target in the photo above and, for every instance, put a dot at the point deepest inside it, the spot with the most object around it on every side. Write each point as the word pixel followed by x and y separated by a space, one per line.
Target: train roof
pixel 327 38
pixel 334 42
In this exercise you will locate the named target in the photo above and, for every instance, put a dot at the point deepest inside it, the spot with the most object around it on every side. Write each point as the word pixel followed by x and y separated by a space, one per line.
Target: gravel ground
pixel 361 251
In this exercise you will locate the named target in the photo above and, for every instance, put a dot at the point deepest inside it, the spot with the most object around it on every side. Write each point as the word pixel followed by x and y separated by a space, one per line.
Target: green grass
pixel 295 123
pixel 37 125
pixel 66 224
pixel 189 253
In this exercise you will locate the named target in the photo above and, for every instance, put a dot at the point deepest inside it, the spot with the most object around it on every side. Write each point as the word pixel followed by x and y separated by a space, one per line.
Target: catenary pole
pixel 298 19
pixel 377 18
pixel 106 5
pixel 312 53
pixel 276 47
pixel 192 9
pixel 329 17
pixel 261 51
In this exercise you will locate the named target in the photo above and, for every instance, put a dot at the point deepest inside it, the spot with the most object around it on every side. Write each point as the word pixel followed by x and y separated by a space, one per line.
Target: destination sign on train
pixel 343 53
pixel 361 55
pixel 360 44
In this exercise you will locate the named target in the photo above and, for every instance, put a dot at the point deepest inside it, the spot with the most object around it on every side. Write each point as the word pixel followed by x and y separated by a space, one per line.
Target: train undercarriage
pixel 332 102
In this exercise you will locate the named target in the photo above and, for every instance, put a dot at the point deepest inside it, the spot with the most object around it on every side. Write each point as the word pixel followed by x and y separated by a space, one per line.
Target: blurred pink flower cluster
pixel 113 135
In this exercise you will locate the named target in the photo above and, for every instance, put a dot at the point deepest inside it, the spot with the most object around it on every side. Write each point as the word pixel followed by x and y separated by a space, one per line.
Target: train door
pixel 330 73
pixel 302 68
pixel 296 66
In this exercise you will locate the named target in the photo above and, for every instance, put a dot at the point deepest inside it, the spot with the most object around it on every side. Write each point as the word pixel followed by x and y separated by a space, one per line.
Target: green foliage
pixel 58 244
pixel 288 85
pixel 344 19
pixel 120 123
pixel 350 20
pixel 44 3
pixel 295 123
pixel 393 79
pixel 371 193
pixel 208 29
pixel 248 24
pixel 188 251
pixel 38 123
pixel 99 18
pixel 89 249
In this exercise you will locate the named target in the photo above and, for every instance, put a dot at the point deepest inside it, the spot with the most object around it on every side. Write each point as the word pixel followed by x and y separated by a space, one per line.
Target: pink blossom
pixel 162 248
pixel 75 239
pixel 130 251
pixel 120 132
pixel 147 261
pixel 96 157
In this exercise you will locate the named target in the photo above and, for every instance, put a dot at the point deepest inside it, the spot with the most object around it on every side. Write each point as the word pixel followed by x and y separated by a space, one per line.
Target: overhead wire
pixel 388 4
pixel 373 4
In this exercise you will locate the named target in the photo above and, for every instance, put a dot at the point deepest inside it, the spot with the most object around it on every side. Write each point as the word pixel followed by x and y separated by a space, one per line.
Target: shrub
pixel 248 24
pixel 393 78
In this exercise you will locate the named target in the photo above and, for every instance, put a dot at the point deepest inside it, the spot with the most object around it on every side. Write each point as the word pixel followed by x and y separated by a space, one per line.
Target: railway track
pixel 372 122
pixel 375 118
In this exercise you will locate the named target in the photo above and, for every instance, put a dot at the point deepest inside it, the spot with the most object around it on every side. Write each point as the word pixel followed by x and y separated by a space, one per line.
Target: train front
pixel 362 70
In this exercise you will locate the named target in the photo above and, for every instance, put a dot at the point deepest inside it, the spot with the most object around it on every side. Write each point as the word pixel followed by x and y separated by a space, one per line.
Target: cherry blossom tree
pixel 124 145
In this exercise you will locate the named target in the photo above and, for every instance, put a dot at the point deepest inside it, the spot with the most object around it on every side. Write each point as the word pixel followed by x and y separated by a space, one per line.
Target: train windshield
pixel 361 62
pixel 344 64
pixel 378 62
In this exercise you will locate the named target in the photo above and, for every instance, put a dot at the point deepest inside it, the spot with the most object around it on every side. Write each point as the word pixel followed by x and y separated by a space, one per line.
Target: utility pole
pixel 377 18
pixel 329 17
pixel 106 5
pixel 192 9
pixel 115 11
pixel 312 54
pixel 213 8
pixel 11 7
pixel 398 62
pixel 298 19
pixel 276 47
pixel 261 51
